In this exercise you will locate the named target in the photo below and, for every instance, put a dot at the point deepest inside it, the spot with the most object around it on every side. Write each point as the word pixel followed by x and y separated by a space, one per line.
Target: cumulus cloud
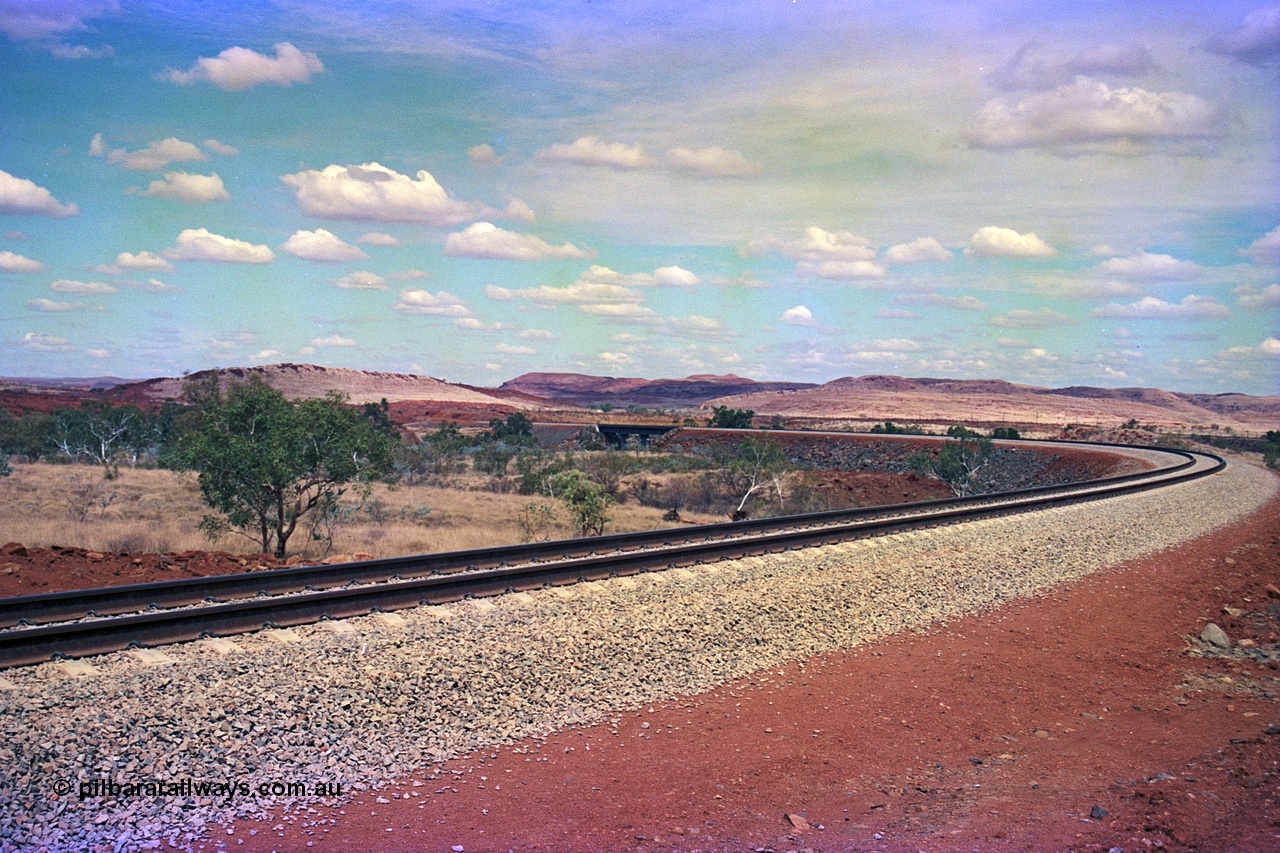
pixel 486 240
pixel 49 306
pixel 1148 266
pixel 333 341
pixel 35 21
pixel 920 250
pixel 1252 299
pixel 841 270
pixel 957 303
pixel 817 245
pixel 65 285
pixel 671 276
pixel 1257 41
pixel 321 245
pixel 361 280
pixel 25 198
pixel 188 188
pixel 536 335
pixel 713 162
pixel 995 242
pixel 238 68
pixel 221 148
pixel 614 357
pixel 694 324
pixel 377 238
pixel 593 151
pixel 1266 249
pixel 374 192
pixel 483 155
pixel 141 261
pixel 514 349
pixel 1021 318
pixel 1089 116
pixel 442 304
pixel 1269 348
pixel 198 244
pixel 11 262
pixel 40 342
pixel 625 312
pixel 1149 308
pixel 1028 71
pixel 153 158
pixel 798 315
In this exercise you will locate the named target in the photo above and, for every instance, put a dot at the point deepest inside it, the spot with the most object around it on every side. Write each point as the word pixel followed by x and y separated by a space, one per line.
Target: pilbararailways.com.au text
pixel 226 789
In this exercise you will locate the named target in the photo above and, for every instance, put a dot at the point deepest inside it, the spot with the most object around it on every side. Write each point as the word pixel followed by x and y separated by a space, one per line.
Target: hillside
pixel 297 381
pixel 692 391
pixel 927 400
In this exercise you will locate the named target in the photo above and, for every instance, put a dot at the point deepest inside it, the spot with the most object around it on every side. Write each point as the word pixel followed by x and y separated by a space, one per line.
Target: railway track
pixel 37 628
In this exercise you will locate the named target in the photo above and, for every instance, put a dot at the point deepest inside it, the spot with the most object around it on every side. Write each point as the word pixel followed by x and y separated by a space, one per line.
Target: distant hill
pixel 297 381
pixel 690 392
pixel 927 400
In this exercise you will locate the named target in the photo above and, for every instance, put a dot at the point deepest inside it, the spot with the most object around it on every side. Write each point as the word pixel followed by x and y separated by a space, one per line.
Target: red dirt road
pixel 1086 720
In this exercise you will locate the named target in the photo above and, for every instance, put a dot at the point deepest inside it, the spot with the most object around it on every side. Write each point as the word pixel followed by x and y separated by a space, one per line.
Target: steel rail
pixel 78 639
pixel 44 608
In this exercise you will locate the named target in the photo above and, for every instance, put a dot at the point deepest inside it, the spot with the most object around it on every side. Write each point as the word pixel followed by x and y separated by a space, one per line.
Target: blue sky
pixel 1054 194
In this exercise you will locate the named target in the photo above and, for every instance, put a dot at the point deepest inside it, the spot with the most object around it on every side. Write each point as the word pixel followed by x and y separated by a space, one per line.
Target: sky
pixel 1055 194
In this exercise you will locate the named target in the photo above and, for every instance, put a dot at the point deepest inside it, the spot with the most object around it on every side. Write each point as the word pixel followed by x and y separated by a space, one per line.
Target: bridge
pixel 618 434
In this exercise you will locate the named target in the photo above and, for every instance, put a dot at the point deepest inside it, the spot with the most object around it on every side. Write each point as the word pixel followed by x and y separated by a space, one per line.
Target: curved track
pixel 88 622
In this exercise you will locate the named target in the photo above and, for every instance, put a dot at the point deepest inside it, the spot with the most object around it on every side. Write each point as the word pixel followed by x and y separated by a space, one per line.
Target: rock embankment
pixel 360 702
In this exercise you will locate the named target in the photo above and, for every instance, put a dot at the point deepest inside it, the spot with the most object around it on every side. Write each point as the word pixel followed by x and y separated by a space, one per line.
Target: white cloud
pixel 897 345
pixel 11 262
pixel 995 242
pixel 798 315
pixel 25 198
pixel 1025 71
pixel 153 158
pixel 714 162
pixel 361 280
pixel 1021 318
pixel 1089 116
pixel 1269 348
pixel 64 285
pixel 98 352
pixel 238 68
pixel 896 314
pixel 485 240
pixel 672 276
pixel 958 303
pixel 198 244
pixel 188 188
pixel 48 305
pixel 1149 308
pixel 155 285
pixel 141 261
pixel 578 293
pixel 265 355
pixel 374 192
pixel 1266 249
pixel 694 324
pixel 442 304
pixel 40 21
pixel 627 338
pixel 518 211
pixel 41 342
pixel 321 245
pixel 1258 39
pixel 917 251
pixel 818 245
pixel 377 238
pixel 1148 266
pixel 511 349
pixel 333 341
pixel 484 155
pixel 1088 289
pixel 221 148
pixel 841 270
pixel 537 335
pixel 1252 299
pixel 625 312
pixel 614 357
pixel 593 151
pixel 499 294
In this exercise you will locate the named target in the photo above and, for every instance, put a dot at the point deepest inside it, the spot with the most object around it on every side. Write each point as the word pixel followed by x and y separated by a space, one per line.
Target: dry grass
pixel 155 510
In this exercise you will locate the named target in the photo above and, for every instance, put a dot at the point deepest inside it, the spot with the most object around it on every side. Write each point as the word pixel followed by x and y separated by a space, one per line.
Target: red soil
pixel 1085 720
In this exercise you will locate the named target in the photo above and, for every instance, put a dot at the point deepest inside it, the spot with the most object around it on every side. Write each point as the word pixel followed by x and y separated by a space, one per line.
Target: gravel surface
pixel 361 702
